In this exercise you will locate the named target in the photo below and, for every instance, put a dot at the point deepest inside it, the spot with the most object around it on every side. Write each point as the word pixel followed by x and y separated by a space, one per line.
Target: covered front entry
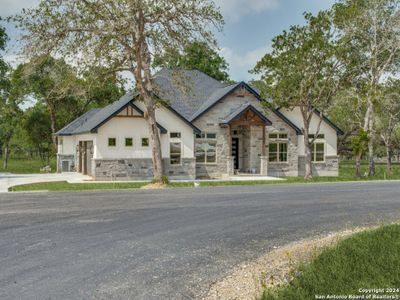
pixel 247 141
pixel 85 155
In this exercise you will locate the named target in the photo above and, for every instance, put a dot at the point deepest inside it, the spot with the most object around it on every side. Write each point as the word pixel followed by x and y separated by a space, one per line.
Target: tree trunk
pixel 308 158
pixel 358 166
pixel 6 153
pixel 371 157
pixel 155 144
pixel 144 85
pixel 1 149
pixel 52 123
pixel 389 159
pixel 369 127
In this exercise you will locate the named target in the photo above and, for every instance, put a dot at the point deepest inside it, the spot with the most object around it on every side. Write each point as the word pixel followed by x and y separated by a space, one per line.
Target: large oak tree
pixel 304 70
pixel 122 35
pixel 371 29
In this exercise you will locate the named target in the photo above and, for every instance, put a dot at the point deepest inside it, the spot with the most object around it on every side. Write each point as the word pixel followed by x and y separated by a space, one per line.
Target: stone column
pixel 230 165
pixel 264 165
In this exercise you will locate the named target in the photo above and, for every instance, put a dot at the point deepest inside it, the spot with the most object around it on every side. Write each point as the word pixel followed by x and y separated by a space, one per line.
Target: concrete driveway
pixel 169 244
pixel 8 180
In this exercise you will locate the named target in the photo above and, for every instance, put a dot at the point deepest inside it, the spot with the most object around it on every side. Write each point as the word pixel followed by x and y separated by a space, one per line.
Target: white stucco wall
pixel 70 143
pixel 295 117
pixel 135 128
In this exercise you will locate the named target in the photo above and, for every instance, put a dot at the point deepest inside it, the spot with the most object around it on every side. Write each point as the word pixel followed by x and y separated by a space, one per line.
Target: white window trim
pixel 141 142
pixel 313 152
pixel 279 141
pixel 133 142
pixel 175 138
pixel 279 152
pixel 180 164
pixel 116 142
pixel 205 141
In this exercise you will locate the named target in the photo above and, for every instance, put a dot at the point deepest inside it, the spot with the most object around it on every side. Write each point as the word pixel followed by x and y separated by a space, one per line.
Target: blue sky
pixel 249 29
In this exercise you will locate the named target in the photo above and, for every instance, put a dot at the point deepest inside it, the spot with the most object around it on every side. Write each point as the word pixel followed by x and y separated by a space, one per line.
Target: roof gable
pixel 325 119
pixel 245 108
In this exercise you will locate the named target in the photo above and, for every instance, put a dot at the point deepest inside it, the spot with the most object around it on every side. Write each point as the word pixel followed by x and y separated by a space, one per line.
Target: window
pixel 145 142
pixel 206 152
pixel 112 142
pixel 206 135
pixel 175 135
pixel 281 136
pixel 206 148
pixel 318 152
pixel 278 149
pixel 320 136
pixel 128 142
pixel 175 153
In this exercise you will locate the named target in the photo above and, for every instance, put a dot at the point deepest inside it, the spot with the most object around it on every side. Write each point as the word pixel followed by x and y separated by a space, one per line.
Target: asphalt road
pixel 165 244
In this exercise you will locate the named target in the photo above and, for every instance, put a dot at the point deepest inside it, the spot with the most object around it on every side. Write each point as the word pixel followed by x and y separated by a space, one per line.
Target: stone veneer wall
pixel 289 168
pixel 70 158
pixel 141 169
pixel 328 168
pixel 209 122
pixel 220 168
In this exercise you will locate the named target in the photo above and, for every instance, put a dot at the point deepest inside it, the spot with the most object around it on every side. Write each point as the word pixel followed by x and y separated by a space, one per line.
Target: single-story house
pixel 208 129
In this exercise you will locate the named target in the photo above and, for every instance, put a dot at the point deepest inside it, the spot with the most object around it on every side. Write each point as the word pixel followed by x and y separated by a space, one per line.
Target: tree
pixel 303 70
pixel 360 147
pixel 3 71
pixel 196 55
pixel 9 110
pixel 123 35
pixel 371 30
pixel 50 81
pixel 37 125
pixel 347 112
pixel 388 118
pixel 9 114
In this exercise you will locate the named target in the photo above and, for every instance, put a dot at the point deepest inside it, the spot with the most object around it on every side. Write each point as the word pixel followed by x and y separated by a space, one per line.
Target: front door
pixel 235 153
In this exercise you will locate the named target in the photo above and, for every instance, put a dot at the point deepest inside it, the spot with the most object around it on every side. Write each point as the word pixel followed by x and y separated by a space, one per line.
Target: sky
pixel 250 26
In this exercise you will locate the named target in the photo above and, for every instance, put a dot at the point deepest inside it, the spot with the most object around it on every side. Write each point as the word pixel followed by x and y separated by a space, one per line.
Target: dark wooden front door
pixel 235 153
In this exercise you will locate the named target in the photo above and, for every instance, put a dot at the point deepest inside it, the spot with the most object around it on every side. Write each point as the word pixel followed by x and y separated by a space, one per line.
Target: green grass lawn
pixel 26 166
pixel 346 171
pixel 367 260
pixel 65 186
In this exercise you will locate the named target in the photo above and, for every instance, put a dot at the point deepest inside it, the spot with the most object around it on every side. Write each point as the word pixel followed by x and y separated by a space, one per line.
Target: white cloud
pixel 10 7
pixel 240 65
pixel 234 10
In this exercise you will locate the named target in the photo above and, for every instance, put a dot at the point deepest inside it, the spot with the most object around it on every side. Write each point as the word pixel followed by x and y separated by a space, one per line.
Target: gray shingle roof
pixel 77 123
pixel 95 117
pixel 188 93
pixel 213 98
pixel 185 90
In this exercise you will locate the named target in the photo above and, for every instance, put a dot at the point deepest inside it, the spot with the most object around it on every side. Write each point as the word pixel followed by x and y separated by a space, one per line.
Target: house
pixel 208 129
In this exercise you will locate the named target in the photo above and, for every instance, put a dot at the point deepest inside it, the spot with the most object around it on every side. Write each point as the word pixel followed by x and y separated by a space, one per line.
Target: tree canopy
pixel 124 35
pixel 370 29
pixel 305 70
pixel 196 55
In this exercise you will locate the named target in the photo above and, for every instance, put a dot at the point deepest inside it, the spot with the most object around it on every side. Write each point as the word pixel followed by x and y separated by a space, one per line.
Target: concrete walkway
pixel 8 180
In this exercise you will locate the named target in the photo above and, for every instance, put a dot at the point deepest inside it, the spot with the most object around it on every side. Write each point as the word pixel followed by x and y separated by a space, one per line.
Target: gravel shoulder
pixel 249 280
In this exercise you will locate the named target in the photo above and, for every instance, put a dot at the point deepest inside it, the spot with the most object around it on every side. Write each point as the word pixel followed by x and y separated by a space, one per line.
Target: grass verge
pixel 367 260
pixel 60 186
pixel 26 166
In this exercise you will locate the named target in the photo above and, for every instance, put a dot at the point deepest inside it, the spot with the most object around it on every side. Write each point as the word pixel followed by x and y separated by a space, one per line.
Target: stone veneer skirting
pixel 141 169
pixel 328 168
